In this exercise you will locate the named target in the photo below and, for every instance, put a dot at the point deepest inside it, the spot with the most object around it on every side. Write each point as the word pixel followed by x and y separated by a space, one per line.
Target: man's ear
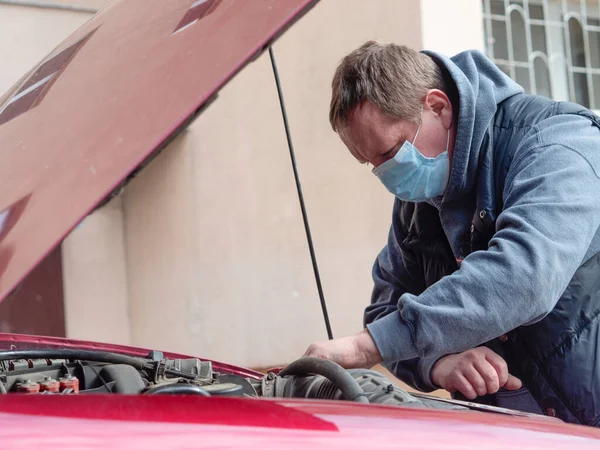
pixel 438 102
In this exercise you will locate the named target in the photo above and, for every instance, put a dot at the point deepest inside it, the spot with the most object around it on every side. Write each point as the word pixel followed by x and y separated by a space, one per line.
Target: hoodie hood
pixel 481 87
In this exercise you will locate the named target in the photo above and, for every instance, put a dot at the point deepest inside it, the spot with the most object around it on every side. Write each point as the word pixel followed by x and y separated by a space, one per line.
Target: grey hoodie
pixel 547 229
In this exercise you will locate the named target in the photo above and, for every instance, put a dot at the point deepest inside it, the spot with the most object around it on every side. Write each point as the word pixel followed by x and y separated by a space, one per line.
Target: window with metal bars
pixel 550 47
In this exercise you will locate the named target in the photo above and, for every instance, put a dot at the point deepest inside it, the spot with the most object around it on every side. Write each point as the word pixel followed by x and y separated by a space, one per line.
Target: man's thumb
pixel 512 383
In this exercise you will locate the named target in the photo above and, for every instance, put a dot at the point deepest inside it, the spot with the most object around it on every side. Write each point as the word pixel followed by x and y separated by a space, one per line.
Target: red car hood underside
pixel 102 102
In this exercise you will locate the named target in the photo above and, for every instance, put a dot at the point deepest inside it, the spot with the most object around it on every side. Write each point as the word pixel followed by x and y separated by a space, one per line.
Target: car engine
pixel 72 371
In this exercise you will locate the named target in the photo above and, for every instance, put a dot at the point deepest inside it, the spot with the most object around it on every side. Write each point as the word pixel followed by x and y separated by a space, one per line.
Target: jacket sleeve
pixel 393 278
pixel 545 232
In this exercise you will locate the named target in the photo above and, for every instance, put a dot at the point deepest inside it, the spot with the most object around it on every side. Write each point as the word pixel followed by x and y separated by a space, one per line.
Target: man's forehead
pixel 368 128
pixel 360 123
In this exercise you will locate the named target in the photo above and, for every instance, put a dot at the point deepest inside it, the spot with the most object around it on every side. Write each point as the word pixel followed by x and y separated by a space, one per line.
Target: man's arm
pixel 551 215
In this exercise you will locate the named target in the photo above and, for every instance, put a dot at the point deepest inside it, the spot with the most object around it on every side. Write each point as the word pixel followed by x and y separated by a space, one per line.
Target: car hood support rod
pixel 311 248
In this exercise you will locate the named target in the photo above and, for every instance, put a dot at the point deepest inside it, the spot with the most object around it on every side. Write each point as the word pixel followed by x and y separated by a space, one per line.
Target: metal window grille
pixel 550 47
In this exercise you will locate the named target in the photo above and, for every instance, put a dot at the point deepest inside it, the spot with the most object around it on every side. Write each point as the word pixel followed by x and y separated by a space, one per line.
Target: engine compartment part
pixel 28 387
pixel 225 389
pixel 376 387
pixel 49 385
pixel 60 371
pixel 177 389
pixel 18 357
pixel 126 379
pixel 337 376
pixel 84 372
pixel 69 383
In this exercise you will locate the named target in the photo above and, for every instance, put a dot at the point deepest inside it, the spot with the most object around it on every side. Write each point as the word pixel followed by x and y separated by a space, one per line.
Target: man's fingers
pixel 507 381
pixel 475 380
pixel 489 374
pixel 476 372
pixel 513 383
pixel 499 364
pixel 462 384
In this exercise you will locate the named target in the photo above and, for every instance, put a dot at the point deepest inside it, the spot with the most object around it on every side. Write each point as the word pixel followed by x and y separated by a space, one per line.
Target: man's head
pixel 382 94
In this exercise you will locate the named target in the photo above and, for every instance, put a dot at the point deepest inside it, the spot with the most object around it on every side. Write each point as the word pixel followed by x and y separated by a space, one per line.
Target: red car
pixel 61 393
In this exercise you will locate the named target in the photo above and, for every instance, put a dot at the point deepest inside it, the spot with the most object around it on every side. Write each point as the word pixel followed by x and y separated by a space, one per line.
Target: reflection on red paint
pixel 33 91
pixel 213 410
pixel 8 219
pixel 198 10
pixel 10 215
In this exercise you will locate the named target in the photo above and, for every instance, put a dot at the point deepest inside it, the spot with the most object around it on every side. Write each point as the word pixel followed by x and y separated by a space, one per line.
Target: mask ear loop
pixel 447 136
pixel 417 133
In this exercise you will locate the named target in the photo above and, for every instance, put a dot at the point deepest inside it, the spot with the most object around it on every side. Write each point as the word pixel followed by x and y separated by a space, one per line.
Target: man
pixel 493 258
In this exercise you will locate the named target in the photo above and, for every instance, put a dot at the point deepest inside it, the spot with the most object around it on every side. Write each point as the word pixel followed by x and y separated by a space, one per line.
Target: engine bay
pixel 87 372
pixel 67 372
pixel 72 371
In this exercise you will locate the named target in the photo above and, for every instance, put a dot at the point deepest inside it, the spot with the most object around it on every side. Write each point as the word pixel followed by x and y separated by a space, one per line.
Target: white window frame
pixel 557 14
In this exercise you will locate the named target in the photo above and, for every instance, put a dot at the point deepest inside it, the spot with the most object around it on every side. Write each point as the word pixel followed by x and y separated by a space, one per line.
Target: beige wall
pixel 216 250
pixel 95 284
pixel 205 251
pixel 450 27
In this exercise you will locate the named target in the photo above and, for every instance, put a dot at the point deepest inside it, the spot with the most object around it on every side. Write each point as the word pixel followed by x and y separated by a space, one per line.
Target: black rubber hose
pixel 71 354
pixel 335 373
pixel 89 355
pixel 177 389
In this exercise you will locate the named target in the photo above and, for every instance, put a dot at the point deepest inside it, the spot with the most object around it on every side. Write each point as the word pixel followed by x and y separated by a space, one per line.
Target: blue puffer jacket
pixel 510 256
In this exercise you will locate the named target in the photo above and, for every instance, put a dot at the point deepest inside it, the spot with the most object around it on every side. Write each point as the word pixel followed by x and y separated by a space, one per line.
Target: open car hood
pixel 108 98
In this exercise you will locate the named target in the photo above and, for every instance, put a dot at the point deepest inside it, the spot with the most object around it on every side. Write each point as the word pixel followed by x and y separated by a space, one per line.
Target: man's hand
pixel 351 352
pixel 478 371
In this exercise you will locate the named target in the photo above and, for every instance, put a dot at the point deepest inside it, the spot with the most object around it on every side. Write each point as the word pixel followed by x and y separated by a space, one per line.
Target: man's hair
pixel 393 77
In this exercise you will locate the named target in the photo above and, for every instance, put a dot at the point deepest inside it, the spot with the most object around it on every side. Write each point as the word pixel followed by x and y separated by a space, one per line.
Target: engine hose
pixel 335 373
pixel 89 355
pixel 177 389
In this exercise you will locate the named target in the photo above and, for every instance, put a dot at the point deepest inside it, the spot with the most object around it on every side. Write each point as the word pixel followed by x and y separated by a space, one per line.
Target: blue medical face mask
pixel 412 177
